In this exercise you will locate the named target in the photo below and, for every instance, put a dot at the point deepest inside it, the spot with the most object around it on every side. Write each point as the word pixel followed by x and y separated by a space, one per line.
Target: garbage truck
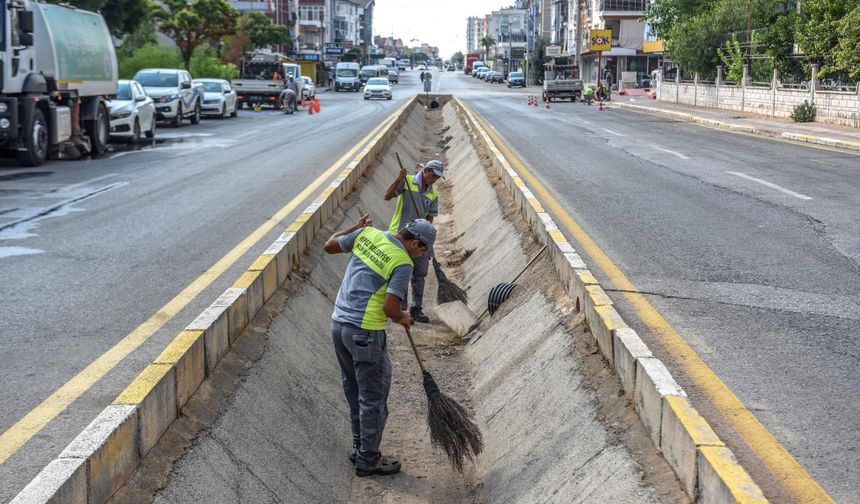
pixel 58 68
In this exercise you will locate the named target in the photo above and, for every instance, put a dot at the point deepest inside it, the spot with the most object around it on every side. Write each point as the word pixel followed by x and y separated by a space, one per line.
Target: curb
pixel 106 453
pixel 707 470
pixel 713 123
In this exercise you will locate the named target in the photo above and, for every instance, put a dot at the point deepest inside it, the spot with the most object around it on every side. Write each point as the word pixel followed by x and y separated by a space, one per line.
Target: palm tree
pixel 487 41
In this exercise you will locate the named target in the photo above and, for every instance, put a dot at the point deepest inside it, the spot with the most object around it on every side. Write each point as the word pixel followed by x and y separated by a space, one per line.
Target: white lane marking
pixel 674 153
pixel 613 132
pixel 18 251
pixel 86 182
pixel 770 184
pixel 583 121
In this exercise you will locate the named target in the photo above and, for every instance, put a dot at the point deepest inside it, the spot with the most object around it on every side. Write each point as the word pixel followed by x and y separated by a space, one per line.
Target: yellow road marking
pixel 34 421
pixel 772 454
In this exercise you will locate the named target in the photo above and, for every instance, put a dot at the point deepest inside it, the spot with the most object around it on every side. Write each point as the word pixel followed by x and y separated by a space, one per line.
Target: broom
pixel 451 426
pixel 447 290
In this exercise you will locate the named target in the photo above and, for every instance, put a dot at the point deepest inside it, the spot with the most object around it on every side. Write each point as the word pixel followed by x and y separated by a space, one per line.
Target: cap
pixel 423 230
pixel 437 166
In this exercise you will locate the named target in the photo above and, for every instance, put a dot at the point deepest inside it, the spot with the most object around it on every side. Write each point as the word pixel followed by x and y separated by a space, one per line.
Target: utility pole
pixel 578 36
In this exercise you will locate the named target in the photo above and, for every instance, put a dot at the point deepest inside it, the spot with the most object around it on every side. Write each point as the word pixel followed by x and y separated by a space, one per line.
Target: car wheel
pixel 389 98
pixel 99 131
pixel 235 110
pixel 135 132
pixel 223 111
pixel 37 147
pixel 195 119
pixel 151 133
pixel 177 121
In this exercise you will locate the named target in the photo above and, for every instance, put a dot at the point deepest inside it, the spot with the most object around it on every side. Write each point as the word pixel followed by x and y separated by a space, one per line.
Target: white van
pixel 371 71
pixel 346 77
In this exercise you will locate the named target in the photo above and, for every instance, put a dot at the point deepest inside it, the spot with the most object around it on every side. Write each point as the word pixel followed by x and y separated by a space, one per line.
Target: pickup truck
pixel 176 96
pixel 561 83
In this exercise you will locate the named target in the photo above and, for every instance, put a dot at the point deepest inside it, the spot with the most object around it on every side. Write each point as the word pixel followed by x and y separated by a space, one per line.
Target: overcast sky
pixel 439 23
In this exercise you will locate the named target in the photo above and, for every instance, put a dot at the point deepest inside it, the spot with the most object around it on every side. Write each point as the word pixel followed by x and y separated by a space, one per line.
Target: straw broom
pixel 447 290
pixel 451 426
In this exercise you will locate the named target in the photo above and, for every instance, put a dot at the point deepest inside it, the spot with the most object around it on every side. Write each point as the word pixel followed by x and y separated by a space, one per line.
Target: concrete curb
pixel 706 469
pixel 100 460
pixel 713 123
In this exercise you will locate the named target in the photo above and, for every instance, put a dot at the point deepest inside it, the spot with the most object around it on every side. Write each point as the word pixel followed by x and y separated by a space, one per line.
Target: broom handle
pixel 532 260
pixel 414 349
pixel 411 196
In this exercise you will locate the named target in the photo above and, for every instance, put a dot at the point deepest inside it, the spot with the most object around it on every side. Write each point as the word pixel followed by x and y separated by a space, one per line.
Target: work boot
pixel 356 445
pixel 418 315
pixel 386 466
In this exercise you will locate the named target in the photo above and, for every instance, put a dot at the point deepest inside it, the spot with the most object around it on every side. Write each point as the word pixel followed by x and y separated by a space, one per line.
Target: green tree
pixel 487 41
pixel 192 24
pixel 846 54
pixel 777 41
pixel 537 58
pixel 820 31
pixel 122 16
pixel 261 32
pixel 205 64
pixel 149 56
pixel 458 58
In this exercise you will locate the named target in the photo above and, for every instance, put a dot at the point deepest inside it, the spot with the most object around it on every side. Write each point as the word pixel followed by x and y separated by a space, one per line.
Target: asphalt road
pixel 91 249
pixel 749 247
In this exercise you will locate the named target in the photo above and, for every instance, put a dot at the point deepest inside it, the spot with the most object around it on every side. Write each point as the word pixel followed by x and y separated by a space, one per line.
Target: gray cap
pixel 423 230
pixel 437 166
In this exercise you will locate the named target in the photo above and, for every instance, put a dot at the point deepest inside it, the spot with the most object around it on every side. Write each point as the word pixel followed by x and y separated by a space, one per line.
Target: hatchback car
pixel 377 87
pixel 516 79
pixel 309 89
pixel 219 98
pixel 393 76
pixel 496 77
pixel 132 112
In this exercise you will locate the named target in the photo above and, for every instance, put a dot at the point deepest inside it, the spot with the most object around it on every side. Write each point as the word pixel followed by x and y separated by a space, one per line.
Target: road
pixel 91 250
pixel 748 247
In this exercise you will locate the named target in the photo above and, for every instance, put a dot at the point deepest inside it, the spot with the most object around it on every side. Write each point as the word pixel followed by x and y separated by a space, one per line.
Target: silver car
pixel 219 98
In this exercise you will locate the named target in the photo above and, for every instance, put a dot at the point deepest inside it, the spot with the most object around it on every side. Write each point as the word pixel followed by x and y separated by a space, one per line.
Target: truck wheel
pixel 37 144
pixel 99 131
pixel 195 119
pixel 177 121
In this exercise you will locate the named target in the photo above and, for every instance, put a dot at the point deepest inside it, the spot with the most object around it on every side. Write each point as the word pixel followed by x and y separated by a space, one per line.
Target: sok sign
pixel 601 40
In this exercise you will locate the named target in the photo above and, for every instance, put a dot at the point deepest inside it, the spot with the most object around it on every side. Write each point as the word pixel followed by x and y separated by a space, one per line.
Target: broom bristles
pixel 447 290
pixel 451 427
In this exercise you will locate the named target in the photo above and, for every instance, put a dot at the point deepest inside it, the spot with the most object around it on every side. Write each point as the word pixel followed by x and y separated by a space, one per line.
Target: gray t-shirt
pixel 431 207
pixel 360 282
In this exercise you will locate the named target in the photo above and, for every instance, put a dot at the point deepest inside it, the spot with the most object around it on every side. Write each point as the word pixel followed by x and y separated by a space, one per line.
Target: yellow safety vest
pixel 376 251
pixel 432 194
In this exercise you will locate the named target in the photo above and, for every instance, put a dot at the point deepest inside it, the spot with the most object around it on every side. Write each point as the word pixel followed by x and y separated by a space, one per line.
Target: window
pixel 311 12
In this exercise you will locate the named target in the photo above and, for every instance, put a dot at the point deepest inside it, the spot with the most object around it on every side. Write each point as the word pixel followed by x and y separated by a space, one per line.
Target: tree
pixel 820 31
pixel 487 41
pixel 149 56
pixel 846 55
pixel 458 58
pixel 205 64
pixel 193 24
pixel 261 32
pixel 122 16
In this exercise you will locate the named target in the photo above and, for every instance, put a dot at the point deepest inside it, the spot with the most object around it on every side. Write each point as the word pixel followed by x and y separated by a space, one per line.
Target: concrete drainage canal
pixel 269 424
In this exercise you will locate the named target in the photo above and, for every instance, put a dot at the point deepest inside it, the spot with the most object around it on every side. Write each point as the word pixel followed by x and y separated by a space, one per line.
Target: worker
pixel 589 95
pixel 427 199
pixel 375 283
pixel 289 96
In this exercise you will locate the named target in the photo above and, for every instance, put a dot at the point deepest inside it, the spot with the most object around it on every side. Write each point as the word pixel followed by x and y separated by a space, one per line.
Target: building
pixel 313 16
pixel 282 12
pixel 626 58
pixel 476 28
pixel 508 27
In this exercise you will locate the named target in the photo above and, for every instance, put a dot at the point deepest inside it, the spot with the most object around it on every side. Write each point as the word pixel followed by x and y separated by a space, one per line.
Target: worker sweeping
pixel 421 186
pixel 373 288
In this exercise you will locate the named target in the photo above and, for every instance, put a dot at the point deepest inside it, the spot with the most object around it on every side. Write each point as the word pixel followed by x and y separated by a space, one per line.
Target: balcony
pixel 253 6
pixel 625 6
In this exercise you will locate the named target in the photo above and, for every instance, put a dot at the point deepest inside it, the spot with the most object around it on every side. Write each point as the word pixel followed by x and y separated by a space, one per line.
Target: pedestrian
pixel 375 283
pixel 427 82
pixel 427 199
pixel 330 77
pixel 421 77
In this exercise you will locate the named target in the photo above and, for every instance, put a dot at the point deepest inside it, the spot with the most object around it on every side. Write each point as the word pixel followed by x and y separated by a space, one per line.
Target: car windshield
pixel 156 79
pixel 377 82
pixel 212 87
pixel 123 91
pixel 347 72
pixel 516 75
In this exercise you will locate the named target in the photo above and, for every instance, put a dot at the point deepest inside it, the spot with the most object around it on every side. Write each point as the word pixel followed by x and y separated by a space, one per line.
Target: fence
pixel 834 104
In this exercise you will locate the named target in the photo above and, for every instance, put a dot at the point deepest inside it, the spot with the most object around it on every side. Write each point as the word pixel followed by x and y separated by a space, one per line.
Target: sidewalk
pixel 831 135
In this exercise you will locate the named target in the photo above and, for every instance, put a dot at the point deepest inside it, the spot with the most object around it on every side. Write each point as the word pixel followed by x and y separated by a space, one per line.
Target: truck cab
pixel 53 89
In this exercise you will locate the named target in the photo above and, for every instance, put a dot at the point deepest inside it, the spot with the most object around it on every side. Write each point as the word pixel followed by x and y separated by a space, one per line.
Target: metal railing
pixel 623 5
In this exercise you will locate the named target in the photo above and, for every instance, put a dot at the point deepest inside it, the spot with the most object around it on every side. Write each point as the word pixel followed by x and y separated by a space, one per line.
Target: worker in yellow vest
pixel 375 283
pixel 427 199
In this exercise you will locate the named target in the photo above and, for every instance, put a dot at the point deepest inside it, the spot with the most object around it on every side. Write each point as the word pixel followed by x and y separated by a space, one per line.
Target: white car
pixel 219 98
pixel 422 67
pixel 377 87
pixel 132 112
pixel 309 90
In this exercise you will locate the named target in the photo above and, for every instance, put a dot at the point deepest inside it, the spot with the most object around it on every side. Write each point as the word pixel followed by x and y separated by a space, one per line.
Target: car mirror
pixel 186 85
pixel 226 91
pixel 140 98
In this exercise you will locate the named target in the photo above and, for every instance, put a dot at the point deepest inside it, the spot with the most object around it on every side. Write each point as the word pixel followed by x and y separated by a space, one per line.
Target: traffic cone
pixel 529 101
pixel 600 105
pixel 317 104
pixel 310 109
pixel 547 105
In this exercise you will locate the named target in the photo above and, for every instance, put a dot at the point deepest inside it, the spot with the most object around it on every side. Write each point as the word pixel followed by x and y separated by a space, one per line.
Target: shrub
pixel 804 112
pixel 149 56
pixel 205 64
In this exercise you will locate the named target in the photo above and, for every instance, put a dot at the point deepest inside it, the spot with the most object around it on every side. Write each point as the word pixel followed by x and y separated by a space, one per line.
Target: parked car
pixel 393 76
pixel 496 77
pixel 377 87
pixel 175 96
pixel 516 79
pixel 131 112
pixel 486 76
pixel 309 89
pixel 482 71
pixel 219 98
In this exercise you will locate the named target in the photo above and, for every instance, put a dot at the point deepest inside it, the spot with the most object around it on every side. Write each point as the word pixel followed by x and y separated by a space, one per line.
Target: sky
pixel 440 23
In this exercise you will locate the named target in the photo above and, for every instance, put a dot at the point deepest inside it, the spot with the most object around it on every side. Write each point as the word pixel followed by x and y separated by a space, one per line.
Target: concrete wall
pixel 834 107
